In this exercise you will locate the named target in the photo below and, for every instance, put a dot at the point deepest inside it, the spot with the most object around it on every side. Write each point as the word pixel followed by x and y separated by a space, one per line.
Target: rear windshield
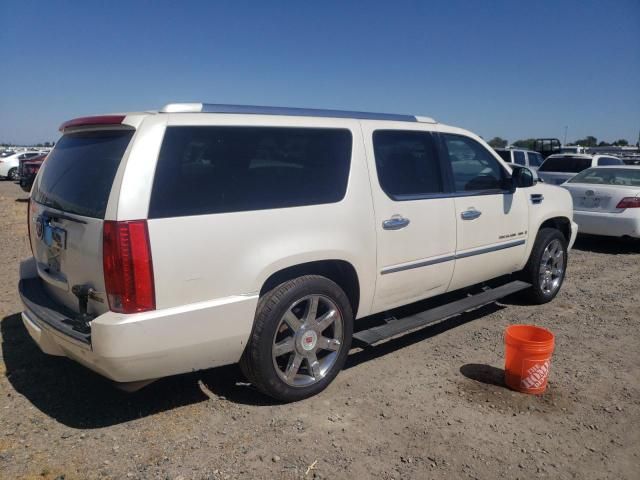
pixel 628 177
pixel 565 164
pixel 79 171
pixel 604 161
pixel 205 170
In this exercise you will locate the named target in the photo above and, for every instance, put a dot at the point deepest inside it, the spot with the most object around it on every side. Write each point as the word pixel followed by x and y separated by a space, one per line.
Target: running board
pixel 395 327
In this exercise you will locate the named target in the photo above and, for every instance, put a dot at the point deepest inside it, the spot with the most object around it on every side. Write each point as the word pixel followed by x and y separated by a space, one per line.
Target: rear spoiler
pixel 91 121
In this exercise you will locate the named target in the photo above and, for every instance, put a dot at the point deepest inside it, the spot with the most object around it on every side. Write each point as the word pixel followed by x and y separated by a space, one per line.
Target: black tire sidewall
pixel 270 310
pixel 11 172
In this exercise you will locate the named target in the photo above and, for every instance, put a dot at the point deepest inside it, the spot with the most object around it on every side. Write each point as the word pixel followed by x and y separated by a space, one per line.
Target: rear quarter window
pixel 604 161
pixel 217 169
pixel 79 171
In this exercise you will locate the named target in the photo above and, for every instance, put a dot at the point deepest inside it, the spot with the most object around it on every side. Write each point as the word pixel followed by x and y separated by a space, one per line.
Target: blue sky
pixel 515 69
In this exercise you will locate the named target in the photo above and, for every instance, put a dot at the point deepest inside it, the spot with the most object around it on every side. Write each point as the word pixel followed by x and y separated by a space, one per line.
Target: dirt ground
pixel 428 405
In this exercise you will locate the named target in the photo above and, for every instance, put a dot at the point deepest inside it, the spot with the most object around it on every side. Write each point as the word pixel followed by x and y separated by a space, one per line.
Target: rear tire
pixel 13 174
pixel 300 340
pixel 546 267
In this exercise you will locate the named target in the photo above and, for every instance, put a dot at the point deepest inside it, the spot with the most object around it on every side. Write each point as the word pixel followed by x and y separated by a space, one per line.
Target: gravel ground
pixel 427 405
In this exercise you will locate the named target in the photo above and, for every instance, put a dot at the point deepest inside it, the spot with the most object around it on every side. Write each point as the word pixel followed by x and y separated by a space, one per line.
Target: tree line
pixel 590 141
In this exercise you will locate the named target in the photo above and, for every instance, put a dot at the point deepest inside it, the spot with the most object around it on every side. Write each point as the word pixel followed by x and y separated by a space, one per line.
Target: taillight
pixel 128 268
pixel 629 202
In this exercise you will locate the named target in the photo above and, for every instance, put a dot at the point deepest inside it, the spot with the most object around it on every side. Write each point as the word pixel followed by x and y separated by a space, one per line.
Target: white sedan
pixel 606 200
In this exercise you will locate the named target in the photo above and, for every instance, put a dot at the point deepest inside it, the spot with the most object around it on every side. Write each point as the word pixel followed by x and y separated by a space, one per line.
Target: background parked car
pixel 9 165
pixel 557 169
pixel 606 201
pixel 527 158
pixel 28 169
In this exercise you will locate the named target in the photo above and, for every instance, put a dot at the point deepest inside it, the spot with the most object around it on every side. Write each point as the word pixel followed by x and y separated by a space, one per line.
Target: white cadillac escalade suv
pixel 203 235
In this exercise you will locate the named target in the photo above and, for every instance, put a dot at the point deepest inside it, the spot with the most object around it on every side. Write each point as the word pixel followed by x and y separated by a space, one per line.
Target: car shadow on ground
pixel 79 398
pixel 610 245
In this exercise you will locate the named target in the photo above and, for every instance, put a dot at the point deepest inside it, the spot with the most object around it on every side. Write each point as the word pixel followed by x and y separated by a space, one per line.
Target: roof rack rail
pixel 297 112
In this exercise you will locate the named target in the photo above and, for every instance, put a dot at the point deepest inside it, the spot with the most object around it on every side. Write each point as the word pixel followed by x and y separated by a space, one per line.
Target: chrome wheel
pixel 551 267
pixel 307 341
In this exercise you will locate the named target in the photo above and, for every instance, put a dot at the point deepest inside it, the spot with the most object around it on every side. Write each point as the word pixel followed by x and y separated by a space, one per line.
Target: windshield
pixel 629 177
pixel 565 164
pixel 78 173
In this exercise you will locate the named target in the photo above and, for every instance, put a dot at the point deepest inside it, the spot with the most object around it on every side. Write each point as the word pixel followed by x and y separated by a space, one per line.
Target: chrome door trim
pixel 493 248
pixel 448 258
pixel 423 263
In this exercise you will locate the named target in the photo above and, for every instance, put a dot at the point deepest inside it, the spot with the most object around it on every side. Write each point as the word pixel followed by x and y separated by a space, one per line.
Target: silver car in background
pixel 606 201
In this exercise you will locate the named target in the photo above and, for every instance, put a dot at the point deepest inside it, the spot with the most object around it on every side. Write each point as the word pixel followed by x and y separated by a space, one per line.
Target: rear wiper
pixel 61 216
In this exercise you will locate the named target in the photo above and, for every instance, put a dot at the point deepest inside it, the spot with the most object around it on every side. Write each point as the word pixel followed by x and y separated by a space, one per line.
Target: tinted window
pixel 535 159
pixel 565 164
pixel 518 157
pixel 205 170
pixel 407 163
pixel 505 155
pixel 79 172
pixel 603 161
pixel 474 168
pixel 609 176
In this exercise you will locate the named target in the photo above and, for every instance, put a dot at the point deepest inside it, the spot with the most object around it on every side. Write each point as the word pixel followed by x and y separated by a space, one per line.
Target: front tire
pixel 300 340
pixel 13 174
pixel 546 267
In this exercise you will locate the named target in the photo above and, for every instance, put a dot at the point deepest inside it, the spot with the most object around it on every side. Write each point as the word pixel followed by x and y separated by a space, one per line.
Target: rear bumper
pixel 622 224
pixel 144 346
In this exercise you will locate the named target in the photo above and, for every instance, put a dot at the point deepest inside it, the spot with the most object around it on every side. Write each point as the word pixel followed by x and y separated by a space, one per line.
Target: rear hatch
pixel 67 209
pixel 560 168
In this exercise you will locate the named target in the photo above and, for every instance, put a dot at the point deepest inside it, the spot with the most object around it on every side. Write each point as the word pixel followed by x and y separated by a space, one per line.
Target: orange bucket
pixel 527 362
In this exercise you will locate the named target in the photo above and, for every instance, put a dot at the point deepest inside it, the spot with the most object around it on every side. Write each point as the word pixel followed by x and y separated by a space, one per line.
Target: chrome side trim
pixel 449 258
pixel 493 248
pixel 298 112
pixel 424 263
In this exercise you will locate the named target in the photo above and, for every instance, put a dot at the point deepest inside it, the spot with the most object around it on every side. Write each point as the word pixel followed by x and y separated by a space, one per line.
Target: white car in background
pixel 606 201
pixel 559 168
pixel 9 165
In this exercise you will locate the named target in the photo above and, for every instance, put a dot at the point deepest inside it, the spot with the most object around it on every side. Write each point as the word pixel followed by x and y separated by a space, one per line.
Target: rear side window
pixel 79 172
pixel 206 170
pixel 603 161
pixel 518 158
pixel 505 155
pixel 565 164
pixel 407 164
pixel 474 168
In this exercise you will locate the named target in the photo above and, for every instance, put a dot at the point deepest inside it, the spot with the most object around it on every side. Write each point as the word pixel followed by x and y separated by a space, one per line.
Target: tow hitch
pixel 83 292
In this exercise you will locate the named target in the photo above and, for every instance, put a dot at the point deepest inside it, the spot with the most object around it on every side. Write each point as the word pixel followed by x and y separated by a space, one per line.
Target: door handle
pixel 470 214
pixel 395 223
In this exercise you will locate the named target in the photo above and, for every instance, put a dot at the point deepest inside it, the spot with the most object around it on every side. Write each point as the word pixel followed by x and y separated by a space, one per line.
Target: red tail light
pixel 629 202
pixel 128 268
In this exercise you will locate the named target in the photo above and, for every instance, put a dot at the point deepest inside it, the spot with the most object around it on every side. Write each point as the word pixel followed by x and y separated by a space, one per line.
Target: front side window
pixel 518 158
pixel 217 169
pixel 473 167
pixel 407 164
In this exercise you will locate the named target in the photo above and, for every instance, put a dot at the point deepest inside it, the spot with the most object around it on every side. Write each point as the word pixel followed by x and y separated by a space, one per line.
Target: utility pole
pixel 566 128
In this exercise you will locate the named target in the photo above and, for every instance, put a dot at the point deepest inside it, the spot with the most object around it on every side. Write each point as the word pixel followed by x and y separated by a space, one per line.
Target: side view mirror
pixel 522 177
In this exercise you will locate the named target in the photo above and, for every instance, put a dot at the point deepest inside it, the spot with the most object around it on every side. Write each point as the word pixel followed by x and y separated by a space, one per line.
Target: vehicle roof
pixel 581 155
pixel 287 111
pixel 624 166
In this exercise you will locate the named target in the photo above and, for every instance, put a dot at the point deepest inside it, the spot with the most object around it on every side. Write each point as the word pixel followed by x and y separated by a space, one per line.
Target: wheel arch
pixel 342 272
pixel 559 223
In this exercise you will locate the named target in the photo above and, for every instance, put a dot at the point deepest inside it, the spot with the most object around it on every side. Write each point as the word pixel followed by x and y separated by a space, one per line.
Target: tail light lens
pixel 629 202
pixel 128 268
